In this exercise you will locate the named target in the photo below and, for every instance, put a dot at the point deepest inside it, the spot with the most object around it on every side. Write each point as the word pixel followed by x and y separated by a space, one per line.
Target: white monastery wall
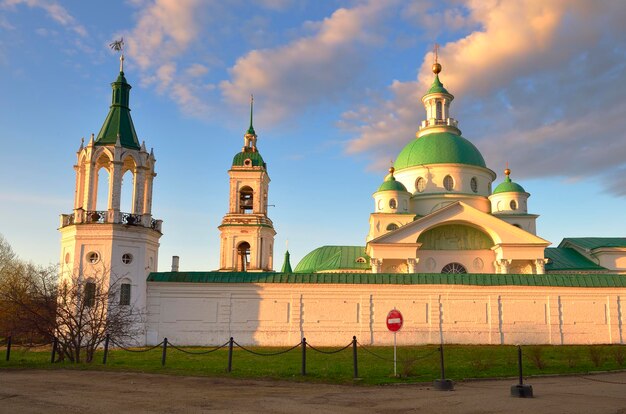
pixel 330 314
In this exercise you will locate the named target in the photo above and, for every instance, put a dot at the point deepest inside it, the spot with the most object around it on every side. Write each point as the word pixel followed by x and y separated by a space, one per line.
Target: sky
pixel 539 84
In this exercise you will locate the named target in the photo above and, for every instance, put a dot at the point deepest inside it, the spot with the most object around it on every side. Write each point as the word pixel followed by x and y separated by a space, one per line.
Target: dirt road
pixel 60 391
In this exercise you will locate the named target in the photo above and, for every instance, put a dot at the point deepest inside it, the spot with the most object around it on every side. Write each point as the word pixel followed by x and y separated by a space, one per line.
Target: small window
pixel 361 260
pixel 393 203
pixel 90 294
pixel 125 294
pixel 247 162
pixel 420 184
pixel 93 257
pixel 392 227
pixel 513 205
pixel 474 184
pixel 127 258
pixel 448 183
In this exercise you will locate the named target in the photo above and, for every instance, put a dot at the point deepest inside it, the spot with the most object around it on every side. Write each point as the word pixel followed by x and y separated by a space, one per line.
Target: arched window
pixel 246 199
pixel 453 268
pixel 393 204
pixel 420 184
pixel 243 256
pixel 126 193
pixel 90 294
pixel 448 183
pixel 513 205
pixel 474 184
pixel 125 294
pixel 102 190
pixel 392 227
pixel 361 260
pixel 439 110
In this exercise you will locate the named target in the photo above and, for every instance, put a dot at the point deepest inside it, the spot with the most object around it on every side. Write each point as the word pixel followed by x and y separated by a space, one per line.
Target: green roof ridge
pixel 118 121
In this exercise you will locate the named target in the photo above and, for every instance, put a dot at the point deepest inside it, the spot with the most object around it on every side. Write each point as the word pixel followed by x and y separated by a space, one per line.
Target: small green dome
pixel 255 159
pixel 509 186
pixel 391 184
pixel 439 148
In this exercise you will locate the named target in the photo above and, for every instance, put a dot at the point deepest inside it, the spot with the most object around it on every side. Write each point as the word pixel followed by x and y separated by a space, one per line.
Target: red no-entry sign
pixel 394 320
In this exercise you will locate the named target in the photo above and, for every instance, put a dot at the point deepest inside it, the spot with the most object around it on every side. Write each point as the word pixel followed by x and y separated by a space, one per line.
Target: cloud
pixel 308 70
pixel 54 10
pixel 538 84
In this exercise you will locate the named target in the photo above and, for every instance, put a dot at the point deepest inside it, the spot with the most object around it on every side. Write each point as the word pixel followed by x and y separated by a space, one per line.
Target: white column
pixel 377 265
pixel 138 190
pixel 540 266
pixel 412 264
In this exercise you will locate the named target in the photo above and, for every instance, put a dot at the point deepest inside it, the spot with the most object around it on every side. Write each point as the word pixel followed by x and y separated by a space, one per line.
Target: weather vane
pixel 118 46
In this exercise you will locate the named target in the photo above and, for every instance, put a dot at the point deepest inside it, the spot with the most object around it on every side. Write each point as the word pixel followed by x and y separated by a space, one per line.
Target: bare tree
pixel 79 311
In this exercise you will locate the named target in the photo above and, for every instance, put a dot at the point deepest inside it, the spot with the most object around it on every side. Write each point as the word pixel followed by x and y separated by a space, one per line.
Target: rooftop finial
pixel 507 171
pixel 391 169
pixel 436 64
pixel 118 46
pixel 251 129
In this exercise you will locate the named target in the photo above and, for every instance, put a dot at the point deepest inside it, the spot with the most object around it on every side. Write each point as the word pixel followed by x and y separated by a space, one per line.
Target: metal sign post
pixel 394 323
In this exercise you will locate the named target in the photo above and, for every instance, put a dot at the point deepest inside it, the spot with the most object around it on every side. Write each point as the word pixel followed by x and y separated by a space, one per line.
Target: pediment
pixel 501 232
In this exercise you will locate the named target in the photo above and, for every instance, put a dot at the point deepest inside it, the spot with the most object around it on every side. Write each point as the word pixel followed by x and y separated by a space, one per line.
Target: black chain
pixel 135 350
pixel 264 354
pixel 404 361
pixel 199 352
pixel 329 352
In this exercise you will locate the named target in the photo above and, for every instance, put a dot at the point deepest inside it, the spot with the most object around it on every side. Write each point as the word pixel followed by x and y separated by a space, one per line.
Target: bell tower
pixel 247 233
pixel 106 242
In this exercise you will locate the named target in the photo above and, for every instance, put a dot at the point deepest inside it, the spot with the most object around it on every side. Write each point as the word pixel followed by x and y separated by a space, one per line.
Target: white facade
pixel 280 314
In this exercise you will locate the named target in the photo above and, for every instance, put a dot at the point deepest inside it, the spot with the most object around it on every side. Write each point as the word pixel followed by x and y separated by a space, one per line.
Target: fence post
pixel 443 384
pixel 356 367
pixel 230 354
pixel 164 351
pixel 303 356
pixel 55 343
pixel 106 349
pixel 9 347
pixel 521 390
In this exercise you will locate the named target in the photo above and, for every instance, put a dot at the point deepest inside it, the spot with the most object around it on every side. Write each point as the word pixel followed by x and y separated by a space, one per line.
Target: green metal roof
pixel 566 258
pixel 391 184
pixel 119 121
pixel 508 186
pixel 437 87
pixel 286 264
pixel 333 258
pixel 255 158
pixel 439 148
pixel 590 243
pixel 547 280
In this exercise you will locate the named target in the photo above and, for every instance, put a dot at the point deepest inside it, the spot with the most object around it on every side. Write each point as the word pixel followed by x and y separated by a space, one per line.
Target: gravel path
pixel 68 391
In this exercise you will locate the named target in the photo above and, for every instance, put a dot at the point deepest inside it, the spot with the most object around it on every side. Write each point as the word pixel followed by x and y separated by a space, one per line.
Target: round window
pixel 420 184
pixel 393 204
pixel 93 257
pixel 127 258
pixel 247 162
pixel 513 205
pixel 448 183
pixel 474 184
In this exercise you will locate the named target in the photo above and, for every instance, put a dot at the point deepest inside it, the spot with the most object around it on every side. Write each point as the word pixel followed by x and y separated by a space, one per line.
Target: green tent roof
pixel 119 121
pixel 254 157
pixel 590 243
pixel 556 280
pixel 565 258
pixel 439 148
pixel 286 264
pixel 508 186
pixel 437 87
pixel 334 258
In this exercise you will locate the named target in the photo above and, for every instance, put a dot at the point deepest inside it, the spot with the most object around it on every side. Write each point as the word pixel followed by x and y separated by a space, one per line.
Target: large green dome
pixel 439 148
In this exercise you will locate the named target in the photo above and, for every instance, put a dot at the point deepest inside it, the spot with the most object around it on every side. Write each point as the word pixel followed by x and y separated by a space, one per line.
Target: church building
pixel 447 244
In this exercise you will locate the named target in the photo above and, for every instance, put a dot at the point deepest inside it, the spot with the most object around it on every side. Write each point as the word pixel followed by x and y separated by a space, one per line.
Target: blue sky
pixel 538 84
